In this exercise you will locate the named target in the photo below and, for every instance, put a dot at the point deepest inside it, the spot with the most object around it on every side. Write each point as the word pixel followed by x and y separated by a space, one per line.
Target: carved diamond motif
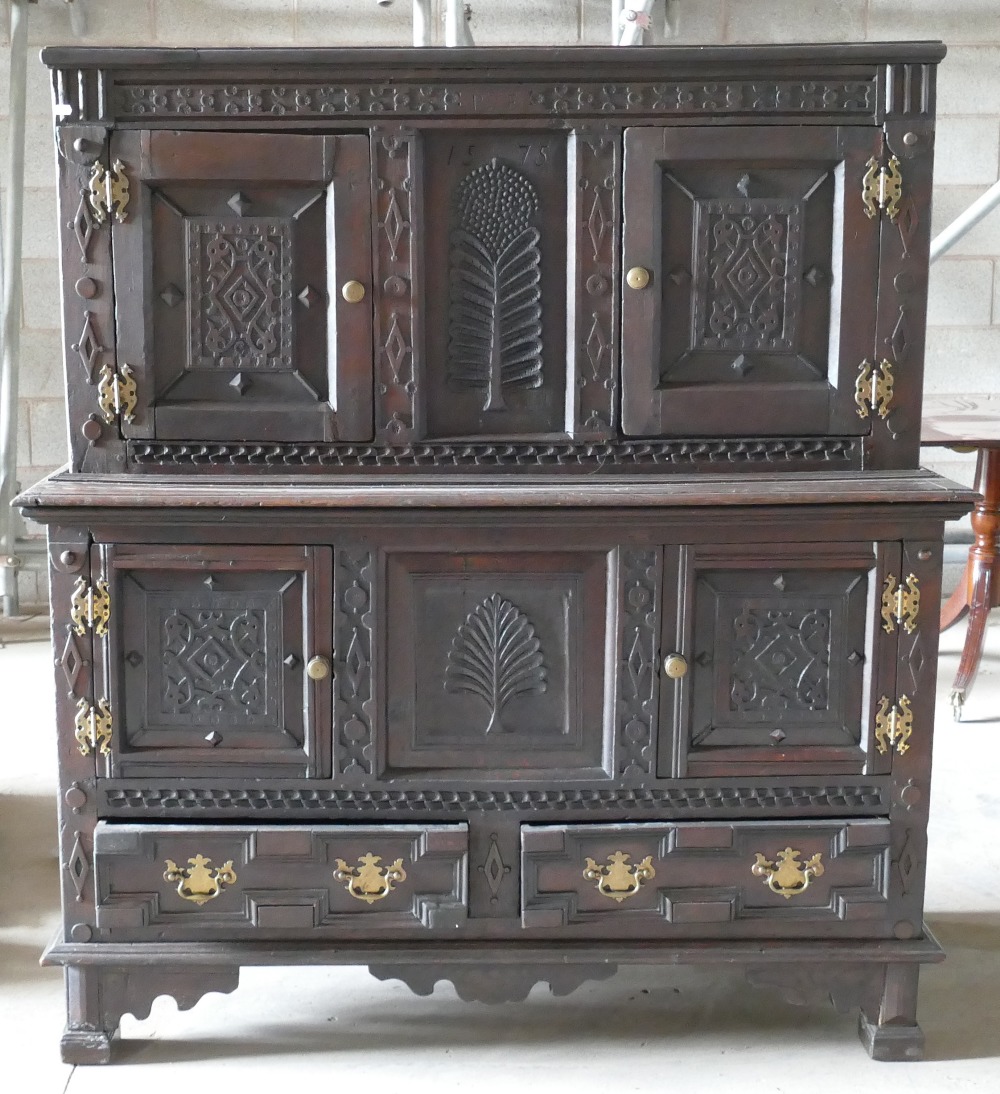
pixel 88 347
pixel 597 223
pixel 915 662
pixel 309 297
pixel 171 296
pixel 906 864
pixel 72 660
pixel 78 867
pixel 82 226
pixel 494 869
pixel 394 225
pixel 396 350
pixel 597 346
pixel 899 340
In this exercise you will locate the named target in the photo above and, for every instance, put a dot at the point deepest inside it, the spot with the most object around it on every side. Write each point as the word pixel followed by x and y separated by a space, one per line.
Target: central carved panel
pixel 747 261
pixel 214 662
pixel 782 660
pixel 239 293
pixel 495 328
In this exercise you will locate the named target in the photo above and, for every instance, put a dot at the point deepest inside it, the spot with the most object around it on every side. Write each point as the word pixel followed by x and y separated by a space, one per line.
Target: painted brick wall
pixel 964 313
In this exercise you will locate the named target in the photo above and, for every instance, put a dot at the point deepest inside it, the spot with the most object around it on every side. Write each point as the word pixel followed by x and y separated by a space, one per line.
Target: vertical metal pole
pixel 456 25
pixel 10 307
pixel 616 21
pixel 421 22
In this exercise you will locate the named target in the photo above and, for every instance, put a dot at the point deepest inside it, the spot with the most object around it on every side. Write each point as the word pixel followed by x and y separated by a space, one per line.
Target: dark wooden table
pixel 971 423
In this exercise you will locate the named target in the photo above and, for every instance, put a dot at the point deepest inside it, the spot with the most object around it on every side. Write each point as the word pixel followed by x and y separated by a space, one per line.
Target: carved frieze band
pixel 838 451
pixel 677 97
pixel 696 799
pixel 353 716
pixel 639 599
pixel 394 153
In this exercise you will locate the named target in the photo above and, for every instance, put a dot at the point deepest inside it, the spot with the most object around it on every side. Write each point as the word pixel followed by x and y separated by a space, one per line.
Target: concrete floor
pixel 644 1030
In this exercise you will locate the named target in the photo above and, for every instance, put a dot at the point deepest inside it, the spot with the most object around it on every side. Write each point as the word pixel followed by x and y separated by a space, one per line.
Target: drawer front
pixel 217 882
pixel 712 879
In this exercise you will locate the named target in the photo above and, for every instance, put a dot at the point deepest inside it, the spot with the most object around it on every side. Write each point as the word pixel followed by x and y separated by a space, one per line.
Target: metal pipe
pixel 421 22
pixel 10 304
pixel 616 20
pixel 965 222
pixel 635 21
pixel 456 24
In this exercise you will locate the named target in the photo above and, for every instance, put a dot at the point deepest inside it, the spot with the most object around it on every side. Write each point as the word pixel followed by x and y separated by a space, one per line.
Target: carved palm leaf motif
pixel 497 656
pixel 495 329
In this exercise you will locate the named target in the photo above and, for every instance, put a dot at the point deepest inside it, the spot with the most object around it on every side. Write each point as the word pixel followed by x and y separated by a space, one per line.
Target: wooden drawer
pixel 216 882
pixel 742 879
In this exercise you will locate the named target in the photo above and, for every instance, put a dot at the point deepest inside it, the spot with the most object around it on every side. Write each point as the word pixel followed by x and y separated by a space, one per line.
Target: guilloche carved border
pixel 822 96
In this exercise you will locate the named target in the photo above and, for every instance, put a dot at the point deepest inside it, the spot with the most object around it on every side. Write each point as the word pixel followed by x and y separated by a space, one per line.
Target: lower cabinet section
pixel 215 882
pixel 745 878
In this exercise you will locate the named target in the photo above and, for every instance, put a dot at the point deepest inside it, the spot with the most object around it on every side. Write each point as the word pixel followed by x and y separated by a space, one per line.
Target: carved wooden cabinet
pixel 492 548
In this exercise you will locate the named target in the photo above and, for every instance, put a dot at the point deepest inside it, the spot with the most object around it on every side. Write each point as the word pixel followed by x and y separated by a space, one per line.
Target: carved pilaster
pixel 638 676
pixel 354 703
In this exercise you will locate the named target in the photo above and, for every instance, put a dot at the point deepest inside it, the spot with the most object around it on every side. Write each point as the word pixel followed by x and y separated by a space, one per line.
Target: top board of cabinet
pixel 499 259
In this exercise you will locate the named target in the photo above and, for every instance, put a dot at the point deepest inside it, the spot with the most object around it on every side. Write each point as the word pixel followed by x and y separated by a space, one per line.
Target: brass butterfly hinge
pixel 900 604
pixel 894 725
pixel 93 727
pixel 874 389
pixel 117 394
pixel 108 192
pixel 882 188
pixel 90 606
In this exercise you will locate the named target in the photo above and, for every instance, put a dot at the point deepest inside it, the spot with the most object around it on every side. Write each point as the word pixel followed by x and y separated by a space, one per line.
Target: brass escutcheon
pixel 198 883
pixel 369 881
pixel 620 880
pixel 788 877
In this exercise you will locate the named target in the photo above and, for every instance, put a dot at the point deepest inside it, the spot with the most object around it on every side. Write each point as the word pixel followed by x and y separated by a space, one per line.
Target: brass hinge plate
pixel 894 725
pixel 874 389
pixel 117 393
pixel 882 188
pixel 93 727
pixel 90 606
pixel 900 604
pixel 108 192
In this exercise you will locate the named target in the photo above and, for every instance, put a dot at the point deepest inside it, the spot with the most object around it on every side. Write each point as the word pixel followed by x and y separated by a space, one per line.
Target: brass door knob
pixel 638 277
pixel 353 292
pixel 675 666
pixel 318 668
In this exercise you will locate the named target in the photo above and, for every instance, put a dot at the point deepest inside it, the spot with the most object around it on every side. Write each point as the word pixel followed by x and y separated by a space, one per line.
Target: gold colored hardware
pixel 117 393
pixel 353 292
pixel 873 389
pixel 108 192
pixel 900 604
pixel 197 882
pixel 90 606
pixel 675 666
pixel 637 278
pixel 93 727
pixel 894 725
pixel 788 877
pixel 619 880
pixel 882 188
pixel 318 668
pixel 369 881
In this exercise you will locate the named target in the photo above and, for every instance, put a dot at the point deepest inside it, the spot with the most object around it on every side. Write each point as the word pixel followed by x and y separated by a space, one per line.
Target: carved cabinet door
pixel 751 279
pixel 787 661
pixel 206 657
pixel 243 286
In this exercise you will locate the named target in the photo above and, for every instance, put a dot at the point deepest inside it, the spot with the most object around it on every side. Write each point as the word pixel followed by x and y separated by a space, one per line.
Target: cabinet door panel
pixel 205 659
pixel 760 306
pixel 228 275
pixel 785 658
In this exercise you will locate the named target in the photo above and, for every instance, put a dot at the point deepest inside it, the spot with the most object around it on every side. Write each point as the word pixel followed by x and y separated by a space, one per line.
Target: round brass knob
pixel 353 292
pixel 318 668
pixel 675 666
pixel 638 277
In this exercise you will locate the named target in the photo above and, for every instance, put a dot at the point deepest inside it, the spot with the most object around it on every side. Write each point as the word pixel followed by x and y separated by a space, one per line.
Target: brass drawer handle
pixel 318 668
pixel 675 666
pixel 369 881
pixel 353 292
pixel 619 880
pixel 638 277
pixel 198 883
pixel 788 877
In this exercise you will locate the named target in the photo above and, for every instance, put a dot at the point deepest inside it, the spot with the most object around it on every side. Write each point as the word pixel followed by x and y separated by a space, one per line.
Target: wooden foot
pixel 82 1046
pixel 888 1023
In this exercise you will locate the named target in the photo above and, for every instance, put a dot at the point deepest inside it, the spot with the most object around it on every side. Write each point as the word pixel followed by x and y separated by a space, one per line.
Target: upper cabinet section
pixel 642 260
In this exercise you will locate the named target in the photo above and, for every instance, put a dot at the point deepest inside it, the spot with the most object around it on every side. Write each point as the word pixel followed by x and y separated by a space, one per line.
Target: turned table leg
pixel 979 588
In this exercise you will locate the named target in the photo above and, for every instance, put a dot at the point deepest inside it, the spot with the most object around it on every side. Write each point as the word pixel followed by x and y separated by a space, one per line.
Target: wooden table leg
pixel 982 590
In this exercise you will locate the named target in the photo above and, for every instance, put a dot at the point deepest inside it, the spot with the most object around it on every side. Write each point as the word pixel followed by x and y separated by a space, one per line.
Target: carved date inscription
pixel 239 293
pixel 495 328
pixel 782 660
